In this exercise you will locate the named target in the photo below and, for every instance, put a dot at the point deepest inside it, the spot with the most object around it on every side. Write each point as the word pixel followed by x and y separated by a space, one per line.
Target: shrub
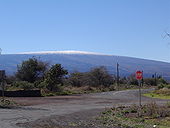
pixel 160 86
pixel 24 85
pixel 76 79
pixel 112 88
pixel 150 81
pixel 100 77
pixel 41 85
pixel 162 81
pixel 155 111
pixel 163 91
pixel 96 77
pixel 131 80
pixel 168 86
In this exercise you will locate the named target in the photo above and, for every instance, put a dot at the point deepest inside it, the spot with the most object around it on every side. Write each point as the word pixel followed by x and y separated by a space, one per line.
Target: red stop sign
pixel 139 75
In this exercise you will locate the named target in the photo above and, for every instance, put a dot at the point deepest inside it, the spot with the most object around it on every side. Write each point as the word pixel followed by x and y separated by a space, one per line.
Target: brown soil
pixel 29 101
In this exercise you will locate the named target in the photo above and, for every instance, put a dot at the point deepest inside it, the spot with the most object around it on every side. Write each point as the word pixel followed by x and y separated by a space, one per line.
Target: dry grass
pixel 137 117
pixel 163 91
pixel 83 89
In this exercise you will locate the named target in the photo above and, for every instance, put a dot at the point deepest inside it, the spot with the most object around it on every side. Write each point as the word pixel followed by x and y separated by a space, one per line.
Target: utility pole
pixel 117 67
pixel 155 79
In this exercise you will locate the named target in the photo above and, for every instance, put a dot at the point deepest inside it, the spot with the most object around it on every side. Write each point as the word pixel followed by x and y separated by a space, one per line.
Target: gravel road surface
pixel 36 108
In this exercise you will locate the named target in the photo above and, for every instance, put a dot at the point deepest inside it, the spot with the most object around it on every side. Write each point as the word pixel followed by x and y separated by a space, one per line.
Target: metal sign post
pixel 139 76
pixel 139 83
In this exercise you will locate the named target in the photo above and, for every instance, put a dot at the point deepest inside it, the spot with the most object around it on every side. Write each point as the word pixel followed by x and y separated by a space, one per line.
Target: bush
pixel 96 77
pixel 131 80
pixel 150 81
pixel 160 86
pixel 42 85
pixel 76 79
pixel 24 85
pixel 155 111
pixel 162 81
pixel 163 91
pixel 100 77
pixel 168 86
pixel 112 88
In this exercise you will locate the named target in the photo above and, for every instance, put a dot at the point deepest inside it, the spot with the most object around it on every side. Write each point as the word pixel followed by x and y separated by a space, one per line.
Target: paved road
pixel 62 105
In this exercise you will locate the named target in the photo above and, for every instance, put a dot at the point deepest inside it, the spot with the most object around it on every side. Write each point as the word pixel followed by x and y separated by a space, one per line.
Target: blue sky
pixel 119 27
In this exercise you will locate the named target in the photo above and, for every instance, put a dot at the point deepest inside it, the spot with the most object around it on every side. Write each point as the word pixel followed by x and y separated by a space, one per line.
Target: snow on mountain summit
pixel 62 52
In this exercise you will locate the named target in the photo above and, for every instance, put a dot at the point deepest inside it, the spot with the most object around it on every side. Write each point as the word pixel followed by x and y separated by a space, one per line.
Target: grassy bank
pixel 147 116
pixel 160 94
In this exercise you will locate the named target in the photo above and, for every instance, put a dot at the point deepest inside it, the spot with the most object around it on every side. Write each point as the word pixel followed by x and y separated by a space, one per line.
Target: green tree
pixel 31 70
pixel 54 77
pixel 100 76
pixel 76 79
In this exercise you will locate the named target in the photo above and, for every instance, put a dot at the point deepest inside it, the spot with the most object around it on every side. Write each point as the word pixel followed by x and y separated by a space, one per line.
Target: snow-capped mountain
pixel 63 52
pixel 84 61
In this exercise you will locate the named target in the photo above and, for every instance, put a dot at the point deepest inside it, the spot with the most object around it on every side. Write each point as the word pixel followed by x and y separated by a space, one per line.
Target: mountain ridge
pixel 78 52
pixel 84 61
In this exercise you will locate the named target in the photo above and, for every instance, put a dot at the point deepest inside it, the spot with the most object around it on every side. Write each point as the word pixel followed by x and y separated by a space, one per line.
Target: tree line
pixel 36 74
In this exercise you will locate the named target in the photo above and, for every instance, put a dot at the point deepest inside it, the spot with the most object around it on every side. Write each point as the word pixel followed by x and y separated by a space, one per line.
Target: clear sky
pixel 119 27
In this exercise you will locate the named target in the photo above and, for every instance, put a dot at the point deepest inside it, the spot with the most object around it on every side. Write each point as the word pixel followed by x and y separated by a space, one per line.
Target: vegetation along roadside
pixel 33 74
pixel 161 92
pixel 147 116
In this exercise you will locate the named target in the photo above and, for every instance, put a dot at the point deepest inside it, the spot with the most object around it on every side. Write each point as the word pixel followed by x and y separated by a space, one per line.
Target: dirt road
pixel 44 108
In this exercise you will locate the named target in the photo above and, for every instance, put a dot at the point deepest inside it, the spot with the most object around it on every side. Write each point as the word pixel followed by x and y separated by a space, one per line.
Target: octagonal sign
pixel 139 75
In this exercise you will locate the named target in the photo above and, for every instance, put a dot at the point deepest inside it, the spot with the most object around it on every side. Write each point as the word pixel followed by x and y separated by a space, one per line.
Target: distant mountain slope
pixel 84 61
